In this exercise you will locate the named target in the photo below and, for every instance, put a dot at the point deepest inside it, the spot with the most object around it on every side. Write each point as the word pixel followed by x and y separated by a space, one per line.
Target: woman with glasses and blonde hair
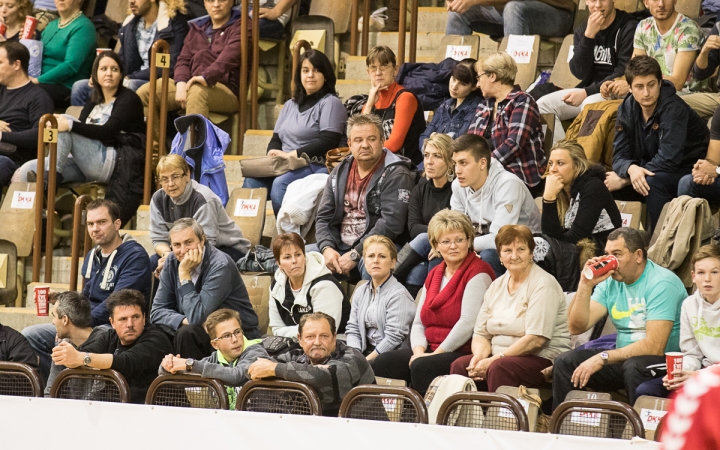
pixel 431 195
pixel 446 309
pixel 181 197
pixel 382 309
pixel 522 325
pixel 400 111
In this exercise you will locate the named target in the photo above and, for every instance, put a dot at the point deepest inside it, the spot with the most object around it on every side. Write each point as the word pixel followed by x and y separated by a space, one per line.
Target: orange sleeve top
pixel 405 108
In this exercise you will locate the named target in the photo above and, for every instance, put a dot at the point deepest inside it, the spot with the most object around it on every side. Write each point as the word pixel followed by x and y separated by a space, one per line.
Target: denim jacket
pixel 453 122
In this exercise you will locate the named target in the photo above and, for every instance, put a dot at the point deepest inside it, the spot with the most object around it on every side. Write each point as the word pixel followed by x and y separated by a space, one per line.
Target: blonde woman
pixel 382 309
pixel 431 195
pixel 12 14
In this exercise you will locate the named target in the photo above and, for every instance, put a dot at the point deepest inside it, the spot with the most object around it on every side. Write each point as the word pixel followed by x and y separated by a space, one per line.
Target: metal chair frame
pixel 109 375
pixel 484 400
pixel 24 370
pixel 607 406
pixel 39 195
pixel 187 381
pixel 310 395
pixel 161 46
pixel 374 391
pixel 79 220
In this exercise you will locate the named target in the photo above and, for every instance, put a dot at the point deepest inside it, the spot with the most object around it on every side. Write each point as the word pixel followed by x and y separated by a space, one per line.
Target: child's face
pixel 706 276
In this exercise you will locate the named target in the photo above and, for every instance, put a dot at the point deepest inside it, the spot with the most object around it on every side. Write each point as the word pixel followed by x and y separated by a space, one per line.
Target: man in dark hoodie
pixel 117 262
pixel 366 194
pixel 602 48
pixel 658 139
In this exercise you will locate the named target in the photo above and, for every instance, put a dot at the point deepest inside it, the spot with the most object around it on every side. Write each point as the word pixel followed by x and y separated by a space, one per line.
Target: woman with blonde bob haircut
pixel 509 118
pixel 382 309
pixel 431 195
pixel 576 203
pixel 448 306
pixel 522 325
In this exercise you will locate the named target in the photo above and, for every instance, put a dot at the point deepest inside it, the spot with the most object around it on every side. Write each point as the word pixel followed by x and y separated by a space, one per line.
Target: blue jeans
pixel 81 91
pixel 278 185
pixel 360 266
pixel 91 160
pixel 519 17
pixel 711 192
pixel 42 339
pixel 421 246
pixel 653 388
pixel 491 257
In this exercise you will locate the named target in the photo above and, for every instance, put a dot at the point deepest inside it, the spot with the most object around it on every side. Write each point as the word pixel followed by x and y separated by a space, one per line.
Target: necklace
pixel 72 19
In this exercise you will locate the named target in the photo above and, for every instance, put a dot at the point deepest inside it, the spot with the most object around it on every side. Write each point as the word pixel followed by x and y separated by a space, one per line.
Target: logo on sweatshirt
pixel 603 55
pixel 403 195
pixel 109 283
pixel 702 330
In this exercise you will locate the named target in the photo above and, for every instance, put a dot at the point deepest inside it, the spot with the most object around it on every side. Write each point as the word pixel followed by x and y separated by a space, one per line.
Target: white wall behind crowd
pixel 38 422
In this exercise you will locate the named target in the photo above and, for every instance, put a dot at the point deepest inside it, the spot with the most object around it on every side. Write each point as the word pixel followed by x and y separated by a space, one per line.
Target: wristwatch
pixel 189 364
pixel 354 255
pixel 87 360
pixel 604 356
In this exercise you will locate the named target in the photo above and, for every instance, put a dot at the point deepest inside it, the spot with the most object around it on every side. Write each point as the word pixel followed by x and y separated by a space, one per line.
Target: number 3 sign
pixel 50 135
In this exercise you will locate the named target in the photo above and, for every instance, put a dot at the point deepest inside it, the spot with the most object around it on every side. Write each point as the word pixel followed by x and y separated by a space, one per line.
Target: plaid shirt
pixel 145 38
pixel 516 135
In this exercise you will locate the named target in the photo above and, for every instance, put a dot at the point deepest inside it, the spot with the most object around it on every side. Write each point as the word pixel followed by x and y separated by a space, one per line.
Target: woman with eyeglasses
pixel 181 197
pixel 401 113
pixel 302 285
pixel 446 309
pixel 522 325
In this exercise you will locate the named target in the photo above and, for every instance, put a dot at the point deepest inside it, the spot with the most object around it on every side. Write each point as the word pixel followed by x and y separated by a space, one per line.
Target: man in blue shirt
pixel 643 301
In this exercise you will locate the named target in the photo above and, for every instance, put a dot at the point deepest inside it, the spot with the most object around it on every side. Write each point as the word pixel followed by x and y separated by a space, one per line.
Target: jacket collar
pixel 163 19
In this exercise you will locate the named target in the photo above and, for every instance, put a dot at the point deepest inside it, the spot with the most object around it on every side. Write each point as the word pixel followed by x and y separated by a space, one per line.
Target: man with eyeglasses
pixel 181 197
pixel 234 353
pixel 196 281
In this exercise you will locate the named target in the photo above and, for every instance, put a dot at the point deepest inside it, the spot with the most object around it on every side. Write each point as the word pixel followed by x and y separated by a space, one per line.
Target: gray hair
pixel 74 306
pixel 188 222
pixel 365 119
pixel 634 239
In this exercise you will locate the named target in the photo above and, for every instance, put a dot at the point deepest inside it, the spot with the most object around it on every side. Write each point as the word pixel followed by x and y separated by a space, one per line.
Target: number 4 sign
pixel 162 60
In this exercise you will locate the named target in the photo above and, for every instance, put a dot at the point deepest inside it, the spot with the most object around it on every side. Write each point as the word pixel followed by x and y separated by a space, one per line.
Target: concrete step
pixel 233 171
pixel 142 218
pixel 60 269
pixel 356 68
pixel 143 238
pixel 432 20
pixel 427 42
pixel 19 318
pixel 348 88
pixel 256 142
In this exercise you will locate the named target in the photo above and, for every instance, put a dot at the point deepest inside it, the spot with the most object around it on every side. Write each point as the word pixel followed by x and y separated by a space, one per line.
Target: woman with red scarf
pixel 448 306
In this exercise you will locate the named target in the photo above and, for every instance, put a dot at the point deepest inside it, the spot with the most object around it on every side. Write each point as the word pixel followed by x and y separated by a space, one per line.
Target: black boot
pixel 409 263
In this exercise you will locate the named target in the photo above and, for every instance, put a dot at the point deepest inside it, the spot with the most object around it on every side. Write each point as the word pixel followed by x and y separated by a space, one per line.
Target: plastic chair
pixel 384 403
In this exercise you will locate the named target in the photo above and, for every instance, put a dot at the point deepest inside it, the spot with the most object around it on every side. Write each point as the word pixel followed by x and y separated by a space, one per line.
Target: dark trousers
pixel 508 371
pixel 628 375
pixel 59 93
pixel 191 341
pixel 653 388
pixel 663 188
pixel 424 370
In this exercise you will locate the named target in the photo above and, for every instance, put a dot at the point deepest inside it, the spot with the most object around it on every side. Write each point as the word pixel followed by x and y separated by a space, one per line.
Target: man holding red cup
pixel 643 302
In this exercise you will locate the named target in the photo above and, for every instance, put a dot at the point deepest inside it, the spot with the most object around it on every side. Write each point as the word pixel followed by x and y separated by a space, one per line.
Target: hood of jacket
pixel 595 171
pixel 497 170
pixel 314 268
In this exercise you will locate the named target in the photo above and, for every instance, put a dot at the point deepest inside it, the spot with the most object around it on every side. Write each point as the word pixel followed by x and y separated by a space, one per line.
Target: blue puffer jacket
pixel 428 81
pixel 207 150
pixel 453 122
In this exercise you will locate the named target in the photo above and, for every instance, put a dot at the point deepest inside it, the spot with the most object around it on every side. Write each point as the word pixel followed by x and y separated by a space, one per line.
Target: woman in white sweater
pixel 382 309
pixel 302 285
pixel 699 325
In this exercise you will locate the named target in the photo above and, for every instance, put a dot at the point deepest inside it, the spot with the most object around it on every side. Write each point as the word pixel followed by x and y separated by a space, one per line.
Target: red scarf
pixel 441 309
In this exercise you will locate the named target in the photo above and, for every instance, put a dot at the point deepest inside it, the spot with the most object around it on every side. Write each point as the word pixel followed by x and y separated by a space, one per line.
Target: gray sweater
pixel 345 369
pixel 395 311
pixel 200 203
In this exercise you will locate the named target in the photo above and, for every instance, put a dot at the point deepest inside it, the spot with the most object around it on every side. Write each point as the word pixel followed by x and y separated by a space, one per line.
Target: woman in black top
pixel 431 195
pixel 87 149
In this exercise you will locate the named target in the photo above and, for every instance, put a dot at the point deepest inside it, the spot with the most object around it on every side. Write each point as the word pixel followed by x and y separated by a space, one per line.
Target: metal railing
pixel 159 57
pixel 45 136
pixel 79 219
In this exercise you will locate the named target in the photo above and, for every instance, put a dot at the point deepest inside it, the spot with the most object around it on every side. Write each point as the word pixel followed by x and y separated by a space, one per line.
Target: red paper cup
pixel 41 299
pixel 674 362
pixel 100 50
pixel 3 28
pixel 28 30
pixel 601 267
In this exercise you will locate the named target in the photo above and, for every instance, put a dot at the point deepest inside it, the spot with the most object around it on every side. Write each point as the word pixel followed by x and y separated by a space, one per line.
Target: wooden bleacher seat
pixel 651 411
pixel 526 72
pixel 249 204
pixel 561 75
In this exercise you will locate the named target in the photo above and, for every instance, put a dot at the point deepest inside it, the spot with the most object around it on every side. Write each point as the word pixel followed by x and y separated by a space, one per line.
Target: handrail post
pixel 354 27
pixel 243 89
pixel 402 22
pixel 51 139
pixel 164 48
pixel 413 30
pixel 366 27
pixel 255 42
pixel 78 222
pixel 296 57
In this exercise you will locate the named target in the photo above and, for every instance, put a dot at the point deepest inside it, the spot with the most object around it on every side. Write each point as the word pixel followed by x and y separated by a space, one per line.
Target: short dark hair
pixel 17 52
pixel 642 66
pixel 324 66
pixel 97 95
pixel 76 307
pixel 218 317
pixel 634 239
pixel 465 71
pixel 477 145
pixel 316 316
pixel 125 297
pixel 282 240
pixel 112 207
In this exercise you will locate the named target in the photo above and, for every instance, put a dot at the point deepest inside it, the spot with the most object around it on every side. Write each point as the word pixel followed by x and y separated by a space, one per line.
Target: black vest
pixel 291 313
pixel 411 145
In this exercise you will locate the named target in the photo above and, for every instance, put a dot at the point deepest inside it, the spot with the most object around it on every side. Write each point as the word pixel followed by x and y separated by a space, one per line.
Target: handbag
pixel 335 156
pixel 272 166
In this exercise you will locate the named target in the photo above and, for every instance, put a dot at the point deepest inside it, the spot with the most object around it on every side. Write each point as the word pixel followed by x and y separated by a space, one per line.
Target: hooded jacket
pixel 172 30
pixel 127 267
pixel 451 120
pixel 699 333
pixel 320 292
pixel 672 140
pixel 592 212
pixel 395 312
pixel 386 201
pixel 503 200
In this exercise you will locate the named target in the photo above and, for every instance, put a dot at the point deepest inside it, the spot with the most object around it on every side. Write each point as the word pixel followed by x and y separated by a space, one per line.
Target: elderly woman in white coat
pixel 382 309
pixel 302 285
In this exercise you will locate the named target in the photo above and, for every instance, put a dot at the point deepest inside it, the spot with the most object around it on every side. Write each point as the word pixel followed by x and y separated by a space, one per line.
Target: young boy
pixel 233 356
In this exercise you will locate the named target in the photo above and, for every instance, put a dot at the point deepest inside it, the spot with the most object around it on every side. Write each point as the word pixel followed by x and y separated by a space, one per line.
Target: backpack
pixel 594 129
pixel 258 259
pixel 440 389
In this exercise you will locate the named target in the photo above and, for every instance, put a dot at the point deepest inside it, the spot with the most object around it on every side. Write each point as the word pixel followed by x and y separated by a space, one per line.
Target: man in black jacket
pixel 602 47
pixel 130 347
pixel 658 139
pixel 22 103
pixel 150 21
pixel 15 348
